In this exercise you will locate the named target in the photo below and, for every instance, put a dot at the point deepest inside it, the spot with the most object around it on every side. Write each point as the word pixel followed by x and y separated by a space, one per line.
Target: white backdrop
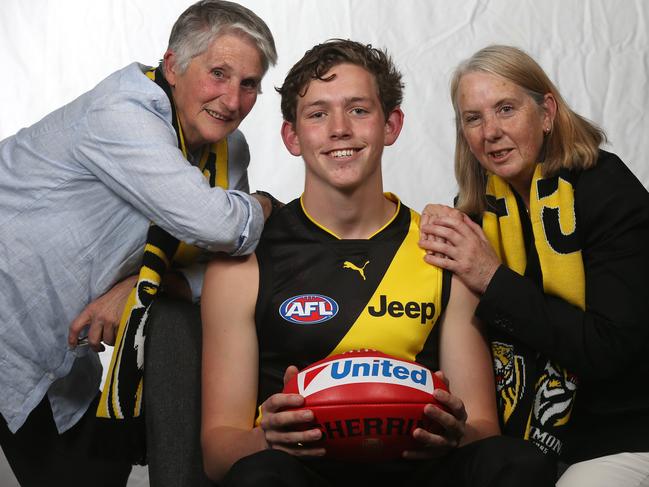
pixel 596 51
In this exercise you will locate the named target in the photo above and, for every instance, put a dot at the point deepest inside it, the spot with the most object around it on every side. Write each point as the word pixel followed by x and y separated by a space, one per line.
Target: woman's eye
pixel 217 73
pixel 251 84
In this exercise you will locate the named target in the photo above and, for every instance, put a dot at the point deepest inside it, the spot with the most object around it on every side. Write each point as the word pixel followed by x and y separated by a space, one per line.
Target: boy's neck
pixel 355 215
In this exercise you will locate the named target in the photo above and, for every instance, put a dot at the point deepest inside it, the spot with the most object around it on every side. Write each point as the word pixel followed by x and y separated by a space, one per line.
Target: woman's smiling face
pixel 217 90
pixel 503 126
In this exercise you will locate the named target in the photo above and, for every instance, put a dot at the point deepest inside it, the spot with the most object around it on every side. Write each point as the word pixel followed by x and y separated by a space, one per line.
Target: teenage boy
pixel 346 240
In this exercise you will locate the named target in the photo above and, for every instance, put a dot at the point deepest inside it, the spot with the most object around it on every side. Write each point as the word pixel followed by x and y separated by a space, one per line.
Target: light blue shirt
pixel 78 191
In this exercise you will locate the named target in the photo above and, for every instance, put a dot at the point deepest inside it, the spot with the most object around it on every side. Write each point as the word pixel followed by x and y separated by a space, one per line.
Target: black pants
pixel 40 456
pixel 492 462
pixel 172 394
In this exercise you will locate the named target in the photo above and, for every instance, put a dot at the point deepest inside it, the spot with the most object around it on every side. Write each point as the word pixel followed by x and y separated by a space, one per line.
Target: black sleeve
pixel 612 333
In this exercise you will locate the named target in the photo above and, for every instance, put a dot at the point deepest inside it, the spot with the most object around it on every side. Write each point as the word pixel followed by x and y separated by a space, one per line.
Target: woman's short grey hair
pixel 206 20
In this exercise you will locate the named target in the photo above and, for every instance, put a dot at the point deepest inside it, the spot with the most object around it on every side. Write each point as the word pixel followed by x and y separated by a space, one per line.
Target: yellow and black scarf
pixel 536 395
pixel 121 397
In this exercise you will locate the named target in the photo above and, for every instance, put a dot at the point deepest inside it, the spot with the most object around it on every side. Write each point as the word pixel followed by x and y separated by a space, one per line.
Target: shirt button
pixel 51 376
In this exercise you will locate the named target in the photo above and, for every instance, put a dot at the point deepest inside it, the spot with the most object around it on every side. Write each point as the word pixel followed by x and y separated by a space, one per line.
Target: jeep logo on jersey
pixel 308 309
pixel 361 370
pixel 424 311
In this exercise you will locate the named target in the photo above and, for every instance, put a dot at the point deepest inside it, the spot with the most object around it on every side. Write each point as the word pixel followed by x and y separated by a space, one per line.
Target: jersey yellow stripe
pixel 400 315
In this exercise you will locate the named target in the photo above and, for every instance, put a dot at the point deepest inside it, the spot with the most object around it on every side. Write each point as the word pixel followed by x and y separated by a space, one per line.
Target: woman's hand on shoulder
pixel 432 212
pixel 456 243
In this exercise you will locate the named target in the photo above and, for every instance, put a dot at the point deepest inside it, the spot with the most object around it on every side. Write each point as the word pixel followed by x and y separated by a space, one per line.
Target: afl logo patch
pixel 308 309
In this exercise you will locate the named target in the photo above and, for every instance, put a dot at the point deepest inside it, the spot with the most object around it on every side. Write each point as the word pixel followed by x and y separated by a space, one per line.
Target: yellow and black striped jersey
pixel 320 295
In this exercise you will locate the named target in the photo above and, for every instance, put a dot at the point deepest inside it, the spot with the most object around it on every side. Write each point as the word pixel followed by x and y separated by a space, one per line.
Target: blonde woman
pixel 559 260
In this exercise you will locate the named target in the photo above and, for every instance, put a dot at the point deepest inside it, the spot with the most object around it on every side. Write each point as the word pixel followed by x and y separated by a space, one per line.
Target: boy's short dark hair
pixel 317 62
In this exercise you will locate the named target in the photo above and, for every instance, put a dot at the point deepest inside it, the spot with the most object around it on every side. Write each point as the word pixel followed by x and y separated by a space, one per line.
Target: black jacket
pixel 607 345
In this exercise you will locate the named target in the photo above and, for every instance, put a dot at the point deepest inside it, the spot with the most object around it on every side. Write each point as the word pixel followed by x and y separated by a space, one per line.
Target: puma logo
pixel 354 267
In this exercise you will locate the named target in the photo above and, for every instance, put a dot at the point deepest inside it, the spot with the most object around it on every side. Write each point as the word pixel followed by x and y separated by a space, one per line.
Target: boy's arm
pixel 466 362
pixel 230 361
pixel 230 376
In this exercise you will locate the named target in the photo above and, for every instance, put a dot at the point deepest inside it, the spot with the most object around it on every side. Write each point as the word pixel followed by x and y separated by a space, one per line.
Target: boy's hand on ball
pixel 288 430
pixel 452 422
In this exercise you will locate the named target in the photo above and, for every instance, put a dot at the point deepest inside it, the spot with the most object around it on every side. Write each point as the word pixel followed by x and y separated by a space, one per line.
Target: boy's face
pixel 340 129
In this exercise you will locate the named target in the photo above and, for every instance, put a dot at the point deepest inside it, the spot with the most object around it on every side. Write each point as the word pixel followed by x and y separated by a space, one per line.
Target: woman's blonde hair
pixel 572 143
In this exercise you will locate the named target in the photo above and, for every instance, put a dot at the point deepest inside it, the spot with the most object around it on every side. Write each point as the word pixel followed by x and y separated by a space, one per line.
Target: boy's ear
pixel 393 126
pixel 290 138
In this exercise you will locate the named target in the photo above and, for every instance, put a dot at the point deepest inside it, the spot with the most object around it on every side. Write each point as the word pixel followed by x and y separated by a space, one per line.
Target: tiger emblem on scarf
pixel 555 393
pixel 510 377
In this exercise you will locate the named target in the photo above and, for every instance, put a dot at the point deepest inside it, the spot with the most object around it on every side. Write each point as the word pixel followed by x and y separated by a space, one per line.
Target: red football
pixel 367 403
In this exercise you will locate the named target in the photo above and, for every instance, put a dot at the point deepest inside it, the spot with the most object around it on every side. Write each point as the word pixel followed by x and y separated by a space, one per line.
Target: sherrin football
pixel 367 403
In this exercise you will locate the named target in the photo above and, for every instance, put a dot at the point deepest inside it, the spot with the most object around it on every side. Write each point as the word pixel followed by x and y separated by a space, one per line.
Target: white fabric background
pixel 596 51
